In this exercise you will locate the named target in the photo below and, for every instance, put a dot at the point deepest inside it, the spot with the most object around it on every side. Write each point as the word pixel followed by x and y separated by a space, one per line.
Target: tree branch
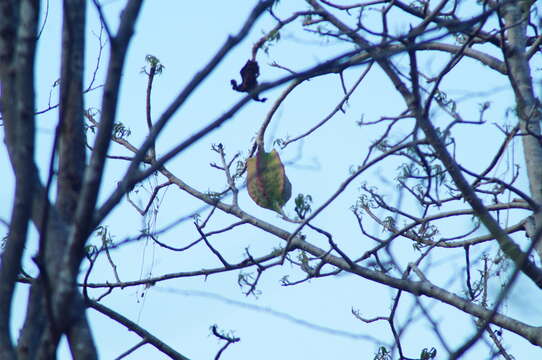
pixel 17 52
pixel 132 326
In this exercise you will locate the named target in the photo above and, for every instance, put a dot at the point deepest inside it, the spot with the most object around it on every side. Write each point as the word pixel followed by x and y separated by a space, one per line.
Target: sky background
pixel 312 320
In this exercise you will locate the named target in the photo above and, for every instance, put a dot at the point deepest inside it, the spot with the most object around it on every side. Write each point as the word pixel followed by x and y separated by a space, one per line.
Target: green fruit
pixel 267 183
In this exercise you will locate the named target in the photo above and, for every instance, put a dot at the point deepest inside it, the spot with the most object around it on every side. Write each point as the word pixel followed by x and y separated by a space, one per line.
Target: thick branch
pixel 528 106
pixel 531 333
pixel 71 152
pixel 94 171
pixel 18 33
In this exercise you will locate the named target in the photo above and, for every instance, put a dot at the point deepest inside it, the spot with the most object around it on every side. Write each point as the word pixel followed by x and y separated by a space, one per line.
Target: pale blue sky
pixel 184 35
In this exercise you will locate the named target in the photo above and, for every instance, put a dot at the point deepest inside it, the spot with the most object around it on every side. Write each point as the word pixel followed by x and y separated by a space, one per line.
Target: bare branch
pixel 132 326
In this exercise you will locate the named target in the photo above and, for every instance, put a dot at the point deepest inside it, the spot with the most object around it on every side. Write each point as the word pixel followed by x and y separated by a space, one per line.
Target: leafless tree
pixel 435 186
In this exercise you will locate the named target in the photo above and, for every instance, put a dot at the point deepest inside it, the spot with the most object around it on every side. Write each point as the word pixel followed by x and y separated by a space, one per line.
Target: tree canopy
pixel 295 179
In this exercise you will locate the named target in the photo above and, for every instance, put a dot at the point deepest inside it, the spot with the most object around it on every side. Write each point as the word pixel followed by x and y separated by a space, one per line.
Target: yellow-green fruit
pixel 267 183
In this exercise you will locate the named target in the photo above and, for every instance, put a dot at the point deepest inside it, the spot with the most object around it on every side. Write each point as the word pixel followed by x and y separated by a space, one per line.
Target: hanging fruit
pixel 267 183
